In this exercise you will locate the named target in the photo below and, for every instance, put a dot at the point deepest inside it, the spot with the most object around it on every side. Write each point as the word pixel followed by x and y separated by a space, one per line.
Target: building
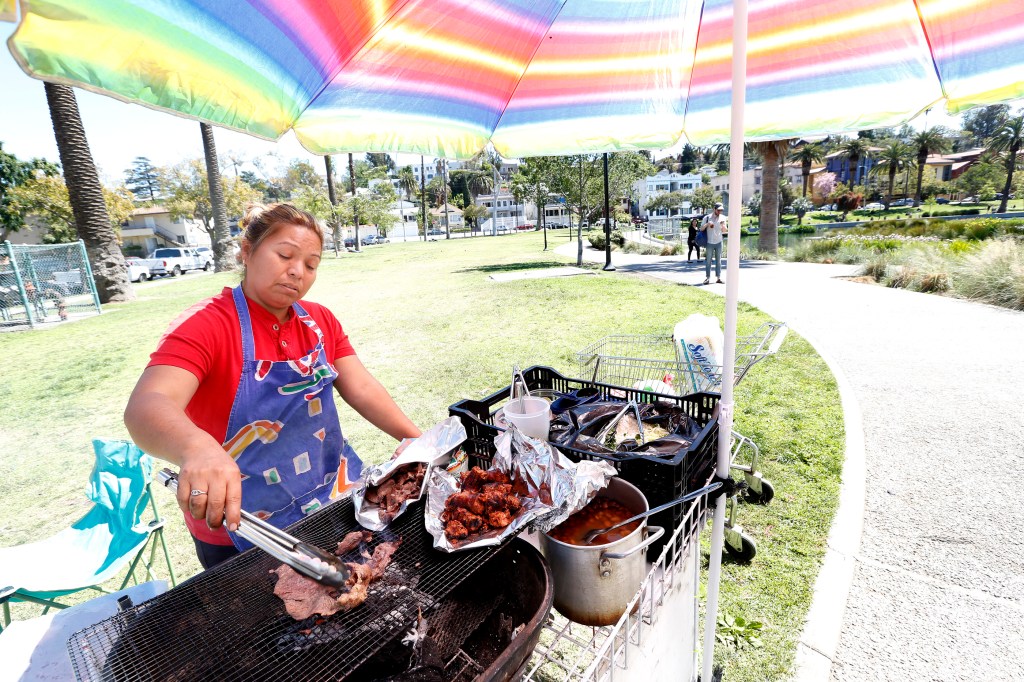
pixel 839 163
pixel 151 227
pixel 510 213
pixel 436 218
pixel 663 182
pixel 408 214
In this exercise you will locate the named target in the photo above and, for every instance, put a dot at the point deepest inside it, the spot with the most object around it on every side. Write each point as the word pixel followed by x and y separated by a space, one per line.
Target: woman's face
pixel 282 269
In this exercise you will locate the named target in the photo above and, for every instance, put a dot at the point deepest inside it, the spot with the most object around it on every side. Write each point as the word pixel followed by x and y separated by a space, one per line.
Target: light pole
pixel 607 222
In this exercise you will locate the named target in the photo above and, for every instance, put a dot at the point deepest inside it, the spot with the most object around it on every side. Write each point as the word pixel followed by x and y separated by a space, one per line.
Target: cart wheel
pixel 766 494
pixel 747 550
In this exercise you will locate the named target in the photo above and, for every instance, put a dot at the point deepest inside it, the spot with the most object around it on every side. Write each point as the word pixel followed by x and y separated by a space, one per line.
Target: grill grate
pixel 227 624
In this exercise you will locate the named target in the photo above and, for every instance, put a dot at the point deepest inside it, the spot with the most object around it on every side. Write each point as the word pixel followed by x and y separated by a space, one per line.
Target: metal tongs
pixel 632 404
pixel 307 559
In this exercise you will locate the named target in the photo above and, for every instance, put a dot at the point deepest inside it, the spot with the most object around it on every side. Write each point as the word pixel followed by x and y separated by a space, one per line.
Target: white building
pixel 151 227
pixel 407 213
pixel 510 213
pixel 664 182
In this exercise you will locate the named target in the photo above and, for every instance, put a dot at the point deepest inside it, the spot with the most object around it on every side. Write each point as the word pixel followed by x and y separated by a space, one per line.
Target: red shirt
pixel 206 340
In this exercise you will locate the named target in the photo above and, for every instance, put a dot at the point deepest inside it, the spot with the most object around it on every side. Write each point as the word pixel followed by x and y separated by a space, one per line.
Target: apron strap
pixel 242 307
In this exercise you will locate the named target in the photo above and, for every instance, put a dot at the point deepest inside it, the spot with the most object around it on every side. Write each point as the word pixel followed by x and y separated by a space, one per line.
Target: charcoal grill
pixel 227 624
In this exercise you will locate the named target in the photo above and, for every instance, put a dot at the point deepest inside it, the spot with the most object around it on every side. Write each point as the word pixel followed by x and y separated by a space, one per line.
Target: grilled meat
pixel 404 484
pixel 486 502
pixel 304 597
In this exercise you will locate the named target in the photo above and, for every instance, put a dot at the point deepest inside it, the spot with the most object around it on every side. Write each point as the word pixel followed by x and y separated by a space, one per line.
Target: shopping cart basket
pixel 654 363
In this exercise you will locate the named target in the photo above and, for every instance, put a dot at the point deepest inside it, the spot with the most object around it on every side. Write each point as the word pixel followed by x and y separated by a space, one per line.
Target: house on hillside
pixel 436 217
pixel 510 213
pixel 151 227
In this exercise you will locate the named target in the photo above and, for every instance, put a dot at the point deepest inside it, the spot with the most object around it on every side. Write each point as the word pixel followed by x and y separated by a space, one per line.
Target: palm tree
pixel 894 157
pixel 407 181
pixel 927 142
pixel 85 194
pixel 855 149
pixel 771 153
pixel 1008 139
pixel 807 154
pixel 222 258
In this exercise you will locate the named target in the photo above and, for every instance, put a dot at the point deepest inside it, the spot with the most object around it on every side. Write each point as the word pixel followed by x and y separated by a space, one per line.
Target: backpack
pixel 701 240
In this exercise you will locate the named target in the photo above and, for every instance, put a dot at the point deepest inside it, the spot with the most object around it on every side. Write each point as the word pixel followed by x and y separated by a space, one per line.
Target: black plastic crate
pixel 661 479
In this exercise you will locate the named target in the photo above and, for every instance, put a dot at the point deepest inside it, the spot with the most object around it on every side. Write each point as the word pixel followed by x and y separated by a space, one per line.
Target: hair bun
pixel 252 212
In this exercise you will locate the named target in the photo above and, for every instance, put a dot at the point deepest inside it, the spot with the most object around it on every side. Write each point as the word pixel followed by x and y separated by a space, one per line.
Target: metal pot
pixel 595 583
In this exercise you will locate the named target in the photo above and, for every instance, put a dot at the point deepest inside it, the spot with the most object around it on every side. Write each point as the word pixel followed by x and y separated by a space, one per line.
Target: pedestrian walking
pixel 715 226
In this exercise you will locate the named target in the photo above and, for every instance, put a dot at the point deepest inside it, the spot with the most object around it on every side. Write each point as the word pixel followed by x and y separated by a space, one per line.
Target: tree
pixel 801 205
pixel 1007 142
pixel 13 173
pixel 332 196
pixel 807 154
pixel 854 150
pixel 771 153
pixel 825 184
pixel 407 181
pixel 188 194
pixel 300 173
pixel 987 170
pixel 575 178
pixel 532 183
pixel 667 201
pixel 982 123
pixel 624 169
pixel 380 160
pixel 143 179
pixel 221 235
pixel 46 197
pixel 932 141
pixel 894 157
pixel 473 213
pixel 85 193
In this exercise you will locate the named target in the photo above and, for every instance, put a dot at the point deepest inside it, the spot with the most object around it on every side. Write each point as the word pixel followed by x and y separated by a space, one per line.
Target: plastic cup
pixel 532 416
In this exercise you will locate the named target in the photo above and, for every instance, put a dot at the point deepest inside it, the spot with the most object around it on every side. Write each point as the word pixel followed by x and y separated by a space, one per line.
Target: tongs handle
pixel 307 559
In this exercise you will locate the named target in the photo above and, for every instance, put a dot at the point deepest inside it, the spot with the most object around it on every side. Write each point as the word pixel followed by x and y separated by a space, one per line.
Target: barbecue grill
pixel 227 624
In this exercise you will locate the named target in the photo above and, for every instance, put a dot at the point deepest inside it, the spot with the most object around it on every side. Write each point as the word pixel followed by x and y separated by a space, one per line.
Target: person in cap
pixel 240 392
pixel 715 225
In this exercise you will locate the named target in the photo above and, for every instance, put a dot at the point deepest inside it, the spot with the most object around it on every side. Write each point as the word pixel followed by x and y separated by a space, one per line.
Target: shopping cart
pixel 654 363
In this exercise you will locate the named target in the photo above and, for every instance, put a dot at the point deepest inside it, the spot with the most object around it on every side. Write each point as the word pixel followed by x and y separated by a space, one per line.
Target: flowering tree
pixel 825 183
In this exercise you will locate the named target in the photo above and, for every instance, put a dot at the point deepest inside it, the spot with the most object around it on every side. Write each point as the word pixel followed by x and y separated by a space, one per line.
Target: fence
pixel 45 283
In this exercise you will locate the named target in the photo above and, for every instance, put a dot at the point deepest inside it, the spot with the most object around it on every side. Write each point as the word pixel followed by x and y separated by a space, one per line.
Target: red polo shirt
pixel 207 341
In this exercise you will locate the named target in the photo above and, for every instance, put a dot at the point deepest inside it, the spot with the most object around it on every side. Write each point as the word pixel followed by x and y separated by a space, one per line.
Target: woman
pixel 238 393
pixel 691 239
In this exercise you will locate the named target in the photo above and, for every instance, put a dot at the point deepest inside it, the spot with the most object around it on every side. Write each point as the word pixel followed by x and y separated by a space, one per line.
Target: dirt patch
pixel 860 279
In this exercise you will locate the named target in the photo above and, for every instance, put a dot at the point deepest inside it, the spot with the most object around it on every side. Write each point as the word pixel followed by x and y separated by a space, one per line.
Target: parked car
pixel 969 200
pixel 902 202
pixel 434 232
pixel 874 206
pixel 585 224
pixel 174 261
pixel 525 226
pixel 205 252
pixel 942 200
pixel 350 243
pixel 371 239
pixel 138 269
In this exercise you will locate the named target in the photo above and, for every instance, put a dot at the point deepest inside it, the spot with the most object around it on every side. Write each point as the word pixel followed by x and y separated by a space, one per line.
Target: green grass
pixel 432 326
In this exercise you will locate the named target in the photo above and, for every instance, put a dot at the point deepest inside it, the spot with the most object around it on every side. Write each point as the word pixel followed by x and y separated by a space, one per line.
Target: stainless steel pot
pixel 594 584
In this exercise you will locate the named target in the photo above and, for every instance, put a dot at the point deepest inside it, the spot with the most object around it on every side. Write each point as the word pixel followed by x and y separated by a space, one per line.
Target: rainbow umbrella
pixel 445 77
pixel 531 77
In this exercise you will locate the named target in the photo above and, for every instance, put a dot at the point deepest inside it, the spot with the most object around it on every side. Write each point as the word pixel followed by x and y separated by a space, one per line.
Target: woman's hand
pixel 210 487
pixel 157 422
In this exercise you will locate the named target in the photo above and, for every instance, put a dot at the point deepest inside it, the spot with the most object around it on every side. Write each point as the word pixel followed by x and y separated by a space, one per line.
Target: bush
pixel 596 239
pixel 993 274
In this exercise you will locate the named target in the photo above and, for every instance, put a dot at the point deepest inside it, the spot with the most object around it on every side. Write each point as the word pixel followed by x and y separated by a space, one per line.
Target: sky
pixel 120 132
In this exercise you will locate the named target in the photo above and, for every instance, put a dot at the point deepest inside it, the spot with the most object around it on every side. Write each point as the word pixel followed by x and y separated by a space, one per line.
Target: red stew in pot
pixel 602 512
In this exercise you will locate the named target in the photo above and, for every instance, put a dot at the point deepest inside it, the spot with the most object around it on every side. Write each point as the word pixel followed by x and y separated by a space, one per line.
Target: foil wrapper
pixel 557 487
pixel 432 448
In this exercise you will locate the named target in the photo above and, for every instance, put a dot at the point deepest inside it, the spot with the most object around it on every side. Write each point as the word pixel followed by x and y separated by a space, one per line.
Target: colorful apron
pixel 283 431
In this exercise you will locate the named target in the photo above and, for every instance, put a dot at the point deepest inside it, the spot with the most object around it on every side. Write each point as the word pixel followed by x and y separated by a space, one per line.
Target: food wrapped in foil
pixel 432 449
pixel 556 488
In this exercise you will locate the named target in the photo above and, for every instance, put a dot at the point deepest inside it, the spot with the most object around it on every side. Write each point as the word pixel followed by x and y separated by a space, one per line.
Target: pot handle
pixel 651 537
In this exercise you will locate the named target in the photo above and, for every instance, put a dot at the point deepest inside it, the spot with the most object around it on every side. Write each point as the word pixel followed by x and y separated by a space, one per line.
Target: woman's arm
pixel 157 422
pixel 365 394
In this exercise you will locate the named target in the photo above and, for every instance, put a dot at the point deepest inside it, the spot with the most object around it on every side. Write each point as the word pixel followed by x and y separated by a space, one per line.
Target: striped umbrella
pixel 445 77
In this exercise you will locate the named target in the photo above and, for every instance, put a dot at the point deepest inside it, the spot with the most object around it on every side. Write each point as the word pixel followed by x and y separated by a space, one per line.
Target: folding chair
pixel 98 546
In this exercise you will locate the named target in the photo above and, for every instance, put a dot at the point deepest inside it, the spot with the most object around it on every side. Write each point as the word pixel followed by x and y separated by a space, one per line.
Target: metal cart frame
pixel 654 363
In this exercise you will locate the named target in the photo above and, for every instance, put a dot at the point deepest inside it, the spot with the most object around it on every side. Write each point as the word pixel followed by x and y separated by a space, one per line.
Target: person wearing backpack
pixel 691 239
pixel 713 228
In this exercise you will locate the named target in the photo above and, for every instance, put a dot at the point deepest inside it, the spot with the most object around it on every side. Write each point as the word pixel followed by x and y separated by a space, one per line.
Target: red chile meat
pixel 486 502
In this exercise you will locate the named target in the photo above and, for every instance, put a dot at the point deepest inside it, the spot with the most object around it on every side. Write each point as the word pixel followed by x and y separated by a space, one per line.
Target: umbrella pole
pixel 732 272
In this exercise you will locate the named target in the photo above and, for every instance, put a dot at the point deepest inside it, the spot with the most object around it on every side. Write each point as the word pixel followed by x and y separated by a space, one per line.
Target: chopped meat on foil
pixel 404 484
pixel 486 502
pixel 304 597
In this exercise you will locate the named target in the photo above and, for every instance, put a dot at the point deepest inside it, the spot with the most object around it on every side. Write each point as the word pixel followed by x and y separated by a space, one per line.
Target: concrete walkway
pixel 935 583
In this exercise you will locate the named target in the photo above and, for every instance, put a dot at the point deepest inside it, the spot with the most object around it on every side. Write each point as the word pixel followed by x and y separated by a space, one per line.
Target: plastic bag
pixel 700 343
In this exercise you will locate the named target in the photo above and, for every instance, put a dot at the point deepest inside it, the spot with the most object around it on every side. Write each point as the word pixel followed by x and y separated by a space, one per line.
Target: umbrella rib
pixel 522 75
pixel 398 7
pixel 931 53
pixel 689 81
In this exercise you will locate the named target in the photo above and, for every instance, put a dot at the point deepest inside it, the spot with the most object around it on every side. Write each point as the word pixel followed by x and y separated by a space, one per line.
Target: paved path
pixel 936 588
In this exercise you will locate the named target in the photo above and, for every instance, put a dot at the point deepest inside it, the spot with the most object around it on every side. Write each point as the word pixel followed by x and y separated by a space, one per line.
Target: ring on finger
pixel 196 493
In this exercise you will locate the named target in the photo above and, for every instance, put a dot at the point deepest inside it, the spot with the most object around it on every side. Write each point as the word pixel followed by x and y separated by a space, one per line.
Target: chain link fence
pixel 45 283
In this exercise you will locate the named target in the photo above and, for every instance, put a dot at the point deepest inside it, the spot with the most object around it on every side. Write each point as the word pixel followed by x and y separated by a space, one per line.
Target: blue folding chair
pixel 98 546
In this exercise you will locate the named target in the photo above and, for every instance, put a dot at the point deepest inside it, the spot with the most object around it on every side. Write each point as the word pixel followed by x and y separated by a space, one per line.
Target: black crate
pixel 661 479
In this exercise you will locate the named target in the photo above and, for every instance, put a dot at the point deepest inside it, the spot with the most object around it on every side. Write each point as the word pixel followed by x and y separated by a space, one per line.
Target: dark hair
pixel 261 221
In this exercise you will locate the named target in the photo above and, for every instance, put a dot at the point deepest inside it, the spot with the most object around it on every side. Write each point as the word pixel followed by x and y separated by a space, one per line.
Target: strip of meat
pixel 381 558
pixel 352 541
pixel 303 597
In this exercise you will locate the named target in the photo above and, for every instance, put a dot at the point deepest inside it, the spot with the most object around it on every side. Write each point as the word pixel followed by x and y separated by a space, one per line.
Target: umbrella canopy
pixel 445 77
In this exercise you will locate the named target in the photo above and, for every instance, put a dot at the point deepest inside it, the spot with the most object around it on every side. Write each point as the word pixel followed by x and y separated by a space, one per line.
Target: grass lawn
pixel 432 326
